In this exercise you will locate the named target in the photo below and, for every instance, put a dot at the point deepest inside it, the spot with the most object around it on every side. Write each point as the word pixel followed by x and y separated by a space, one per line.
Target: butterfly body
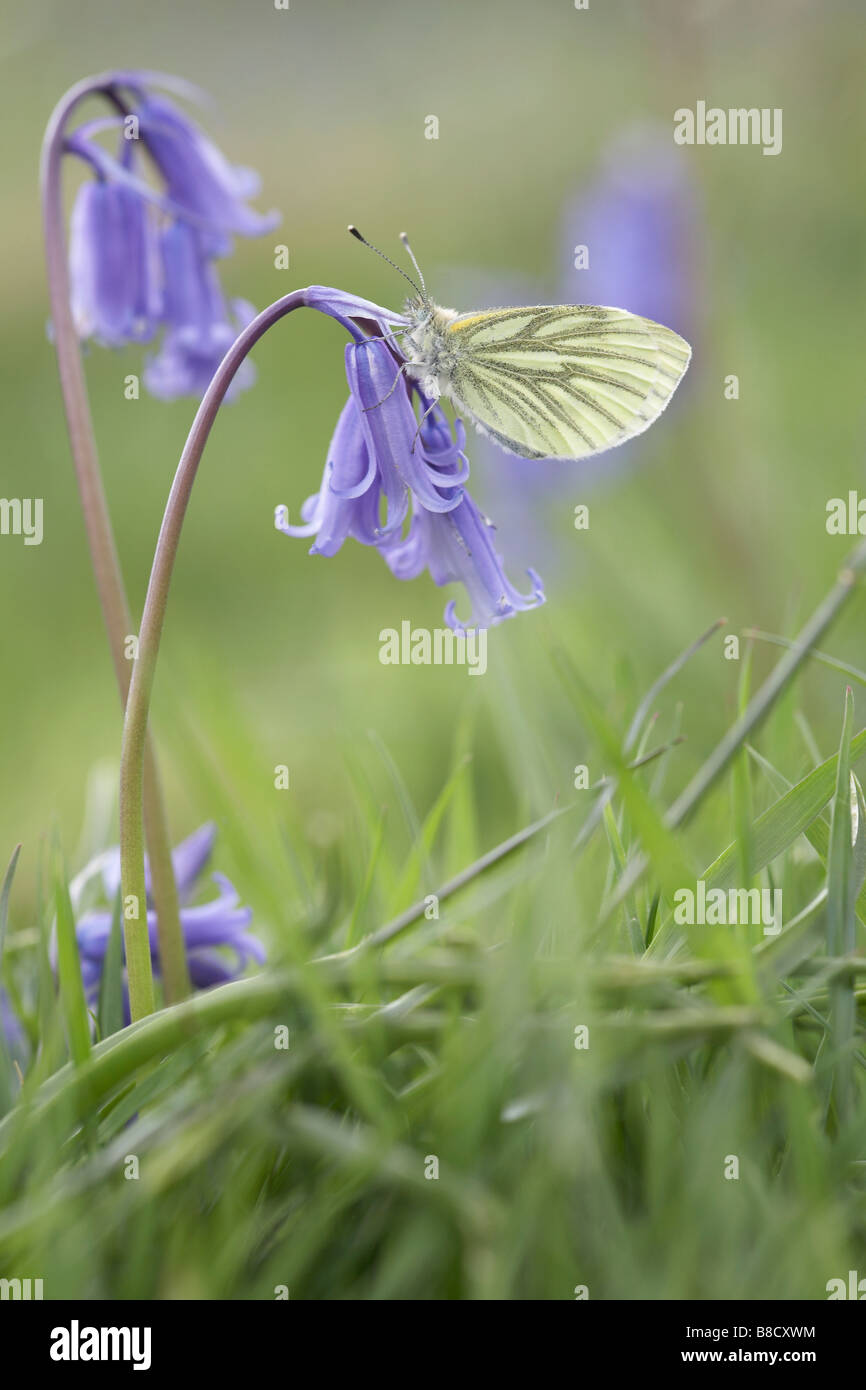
pixel 547 381
pixel 432 360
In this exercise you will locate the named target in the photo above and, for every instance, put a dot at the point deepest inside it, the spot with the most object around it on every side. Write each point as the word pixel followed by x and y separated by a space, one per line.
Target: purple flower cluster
pixel 394 477
pixel 143 259
pixel 218 944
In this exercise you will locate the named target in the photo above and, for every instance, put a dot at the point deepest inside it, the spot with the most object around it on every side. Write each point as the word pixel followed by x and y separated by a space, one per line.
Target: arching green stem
pixel 138 702
pixel 103 552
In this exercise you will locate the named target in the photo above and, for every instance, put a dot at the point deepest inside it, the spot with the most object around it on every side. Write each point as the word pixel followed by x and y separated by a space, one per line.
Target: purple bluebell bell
pixel 640 220
pixel 347 503
pixel 457 547
pixel 143 258
pixel 384 397
pixel 376 453
pixel 113 265
pixel 199 181
pixel 210 929
pixel 386 459
pixel 200 326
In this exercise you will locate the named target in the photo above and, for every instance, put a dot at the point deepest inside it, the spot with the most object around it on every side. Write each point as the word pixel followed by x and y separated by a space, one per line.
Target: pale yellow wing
pixel 563 381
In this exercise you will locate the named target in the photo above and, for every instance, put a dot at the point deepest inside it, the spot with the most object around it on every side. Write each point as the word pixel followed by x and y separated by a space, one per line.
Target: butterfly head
pixel 418 309
pixel 429 360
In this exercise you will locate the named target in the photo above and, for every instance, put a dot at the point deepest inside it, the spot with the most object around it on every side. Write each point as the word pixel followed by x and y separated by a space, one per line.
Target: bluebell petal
pixel 197 176
pixel 112 265
pixel 457 547
pixel 341 508
pixel 191 856
pixel 92 933
pixel 220 925
pixel 200 326
pixel 348 308
pixel 391 431
pixel 209 968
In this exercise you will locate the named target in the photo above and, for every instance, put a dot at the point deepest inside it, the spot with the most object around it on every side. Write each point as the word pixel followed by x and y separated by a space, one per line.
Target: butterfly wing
pixel 562 381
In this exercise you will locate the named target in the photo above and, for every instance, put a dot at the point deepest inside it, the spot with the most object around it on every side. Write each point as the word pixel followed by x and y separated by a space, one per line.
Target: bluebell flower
pixel 200 325
pixel 347 503
pixel 218 944
pixel 394 456
pixel 142 258
pixel 457 547
pixel 640 219
pixel 113 265
pixel 199 181
pixel 376 454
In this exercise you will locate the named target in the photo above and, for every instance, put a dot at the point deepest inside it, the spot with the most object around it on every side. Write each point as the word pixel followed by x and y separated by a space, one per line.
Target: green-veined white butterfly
pixel 551 381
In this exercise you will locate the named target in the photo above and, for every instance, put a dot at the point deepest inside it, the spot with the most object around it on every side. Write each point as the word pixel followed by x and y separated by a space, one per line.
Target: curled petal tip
pixel 537 584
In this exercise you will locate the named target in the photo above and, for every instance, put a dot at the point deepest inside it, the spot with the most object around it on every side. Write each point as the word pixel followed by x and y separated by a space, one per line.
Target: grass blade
pixel 4 897
pixel 664 679
pixel 69 973
pixel 779 826
pixel 841 917
pixel 741 779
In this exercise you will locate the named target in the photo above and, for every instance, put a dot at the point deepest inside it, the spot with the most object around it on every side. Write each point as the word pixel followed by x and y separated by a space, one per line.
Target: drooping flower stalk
pixel 103 551
pixel 138 701
pixel 133 753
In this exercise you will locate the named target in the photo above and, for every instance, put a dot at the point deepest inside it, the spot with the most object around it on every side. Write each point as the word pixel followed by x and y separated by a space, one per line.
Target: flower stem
pixel 138 702
pixel 103 552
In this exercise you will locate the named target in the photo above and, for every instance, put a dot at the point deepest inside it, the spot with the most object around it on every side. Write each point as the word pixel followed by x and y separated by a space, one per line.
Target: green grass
pixel 578 1069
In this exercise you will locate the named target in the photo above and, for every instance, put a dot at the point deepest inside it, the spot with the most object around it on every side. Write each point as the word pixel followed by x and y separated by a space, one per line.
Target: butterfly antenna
pixel 405 241
pixel 358 237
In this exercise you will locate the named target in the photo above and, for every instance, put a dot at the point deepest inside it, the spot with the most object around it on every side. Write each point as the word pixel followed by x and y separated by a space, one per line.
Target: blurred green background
pixel 719 511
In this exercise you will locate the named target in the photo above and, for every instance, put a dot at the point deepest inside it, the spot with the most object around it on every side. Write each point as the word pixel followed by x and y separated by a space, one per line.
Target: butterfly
pixel 547 381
